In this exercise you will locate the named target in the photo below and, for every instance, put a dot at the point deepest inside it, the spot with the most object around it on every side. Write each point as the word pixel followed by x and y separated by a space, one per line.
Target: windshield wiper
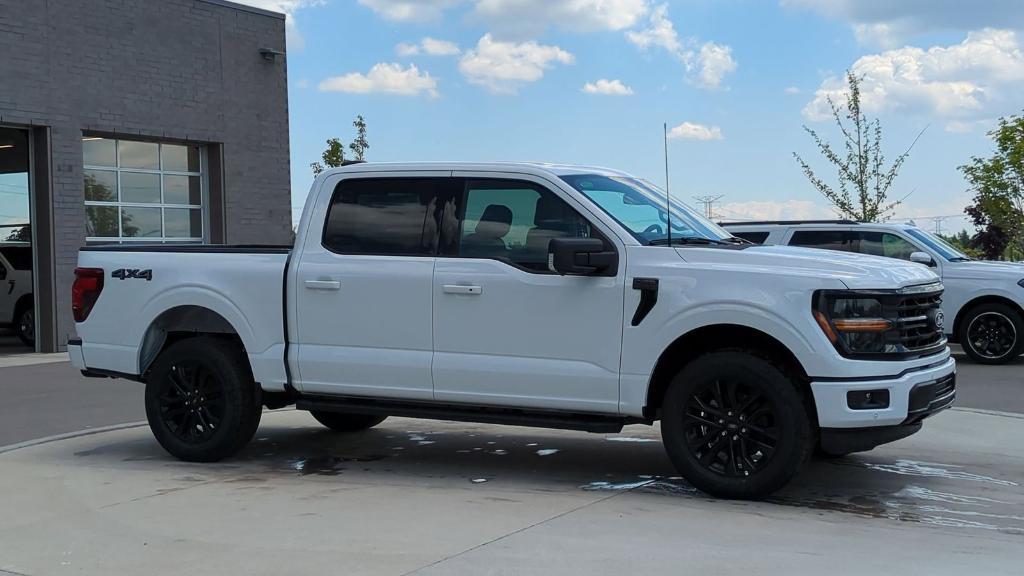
pixel 684 240
pixel 960 259
pixel 736 240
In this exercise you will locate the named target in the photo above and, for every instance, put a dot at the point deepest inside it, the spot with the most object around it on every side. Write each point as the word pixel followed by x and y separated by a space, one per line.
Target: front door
pixel 363 290
pixel 508 331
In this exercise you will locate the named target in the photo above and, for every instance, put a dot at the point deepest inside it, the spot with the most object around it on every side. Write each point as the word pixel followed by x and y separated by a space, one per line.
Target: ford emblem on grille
pixel 938 319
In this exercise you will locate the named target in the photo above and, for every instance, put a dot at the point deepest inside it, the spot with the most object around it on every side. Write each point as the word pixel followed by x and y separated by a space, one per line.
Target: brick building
pixel 137 120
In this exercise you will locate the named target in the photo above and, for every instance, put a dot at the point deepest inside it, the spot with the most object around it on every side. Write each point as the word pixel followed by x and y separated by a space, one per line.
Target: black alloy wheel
pixel 731 428
pixel 27 327
pixel 991 334
pixel 192 407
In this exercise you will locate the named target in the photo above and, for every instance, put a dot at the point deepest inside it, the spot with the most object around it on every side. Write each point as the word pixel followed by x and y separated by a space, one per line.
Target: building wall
pixel 166 69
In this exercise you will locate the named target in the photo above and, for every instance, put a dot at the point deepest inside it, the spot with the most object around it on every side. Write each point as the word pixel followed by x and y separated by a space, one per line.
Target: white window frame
pixel 118 204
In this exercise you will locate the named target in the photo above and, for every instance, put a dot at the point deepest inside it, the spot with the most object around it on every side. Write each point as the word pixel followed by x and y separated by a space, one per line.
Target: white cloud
pixel 502 67
pixel 692 131
pixel 715 62
pixel 706 65
pixel 288 8
pixel 410 10
pixel 660 32
pixel 774 210
pixel 961 80
pixel 532 17
pixel 428 46
pixel 791 90
pixel 384 78
pixel 607 87
pixel 303 83
pixel 888 24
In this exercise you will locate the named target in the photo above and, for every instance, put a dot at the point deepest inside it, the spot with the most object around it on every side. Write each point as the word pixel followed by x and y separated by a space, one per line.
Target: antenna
pixel 668 197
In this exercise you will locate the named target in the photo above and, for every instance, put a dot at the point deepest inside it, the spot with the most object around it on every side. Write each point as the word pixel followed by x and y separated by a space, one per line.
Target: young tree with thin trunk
pixel 334 155
pixel 864 180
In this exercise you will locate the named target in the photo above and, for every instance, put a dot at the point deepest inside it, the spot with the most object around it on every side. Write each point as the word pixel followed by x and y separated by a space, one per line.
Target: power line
pixel 709 204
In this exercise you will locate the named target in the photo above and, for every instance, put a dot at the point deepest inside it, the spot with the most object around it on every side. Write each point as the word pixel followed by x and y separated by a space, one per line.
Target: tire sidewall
pixel 29 321
pixel 1015 319
pixel 787 404
pixel 236 426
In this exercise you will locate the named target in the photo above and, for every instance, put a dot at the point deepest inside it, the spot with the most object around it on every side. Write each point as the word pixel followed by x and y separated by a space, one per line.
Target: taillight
pixel 84 292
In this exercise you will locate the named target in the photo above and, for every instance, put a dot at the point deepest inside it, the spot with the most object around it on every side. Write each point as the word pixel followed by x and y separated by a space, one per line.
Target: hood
pixel 857 271
pixel 983 270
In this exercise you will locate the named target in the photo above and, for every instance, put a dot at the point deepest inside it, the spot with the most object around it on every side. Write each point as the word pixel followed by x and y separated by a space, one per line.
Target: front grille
pixel 931 397
pixel 916 329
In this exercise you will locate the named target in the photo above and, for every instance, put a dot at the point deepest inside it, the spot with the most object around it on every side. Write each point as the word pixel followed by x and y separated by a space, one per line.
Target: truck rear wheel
pixel 340 422
pixel 201 402
pixel 735 426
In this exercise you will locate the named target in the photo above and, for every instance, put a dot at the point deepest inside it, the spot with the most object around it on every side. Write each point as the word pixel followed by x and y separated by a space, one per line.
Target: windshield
pixel 639 206
pixel 937 244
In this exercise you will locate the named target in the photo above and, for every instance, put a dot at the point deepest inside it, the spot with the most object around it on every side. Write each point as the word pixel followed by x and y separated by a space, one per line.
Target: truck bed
pixel 148 288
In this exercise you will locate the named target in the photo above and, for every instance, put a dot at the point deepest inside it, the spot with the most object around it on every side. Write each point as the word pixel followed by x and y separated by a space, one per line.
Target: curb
pixel 69 435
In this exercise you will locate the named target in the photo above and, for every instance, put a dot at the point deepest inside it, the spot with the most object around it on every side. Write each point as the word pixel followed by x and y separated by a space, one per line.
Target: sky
pixel 593 81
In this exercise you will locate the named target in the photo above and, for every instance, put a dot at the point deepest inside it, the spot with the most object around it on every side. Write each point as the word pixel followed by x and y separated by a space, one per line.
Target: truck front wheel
pixel 201 402
pixel 340 422
pixel 992 334
pixel 734 425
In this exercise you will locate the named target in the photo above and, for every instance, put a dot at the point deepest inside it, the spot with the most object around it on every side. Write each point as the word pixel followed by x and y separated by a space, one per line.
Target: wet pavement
pixel 454 498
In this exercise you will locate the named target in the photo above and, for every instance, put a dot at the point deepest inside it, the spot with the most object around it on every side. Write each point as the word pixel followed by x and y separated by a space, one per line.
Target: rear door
pixel 362 291
pixel 508 331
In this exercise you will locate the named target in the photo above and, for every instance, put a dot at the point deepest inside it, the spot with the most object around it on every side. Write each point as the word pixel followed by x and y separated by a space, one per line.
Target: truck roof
pixel 815 223
pixel 538 168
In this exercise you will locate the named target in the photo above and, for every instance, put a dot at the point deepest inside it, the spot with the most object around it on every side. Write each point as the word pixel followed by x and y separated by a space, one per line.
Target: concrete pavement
pixel 451 498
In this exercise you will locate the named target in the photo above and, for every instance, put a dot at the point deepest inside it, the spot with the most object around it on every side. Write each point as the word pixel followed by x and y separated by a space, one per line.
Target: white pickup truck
pixel 525 294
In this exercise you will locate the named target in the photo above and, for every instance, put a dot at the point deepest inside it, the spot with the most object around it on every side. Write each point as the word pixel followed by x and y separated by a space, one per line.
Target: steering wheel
pixel 653 229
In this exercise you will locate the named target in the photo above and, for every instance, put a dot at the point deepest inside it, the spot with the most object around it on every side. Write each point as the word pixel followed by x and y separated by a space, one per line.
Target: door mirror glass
pixel 922 258
pixel 581 257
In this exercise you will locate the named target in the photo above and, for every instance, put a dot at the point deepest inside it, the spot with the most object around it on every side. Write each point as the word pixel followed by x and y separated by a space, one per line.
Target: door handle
pixel 462 289
pixel 323 285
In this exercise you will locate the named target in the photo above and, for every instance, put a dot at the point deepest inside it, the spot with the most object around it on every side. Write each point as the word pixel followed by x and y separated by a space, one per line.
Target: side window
pixel 826 239
pixel 514 222
pixel 19 257
pixel 885 244
pixel 383 216
pixel 3 271
pixel 755 237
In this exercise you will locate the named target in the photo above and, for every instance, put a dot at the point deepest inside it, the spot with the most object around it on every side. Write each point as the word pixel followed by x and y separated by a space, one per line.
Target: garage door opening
pixel 17 302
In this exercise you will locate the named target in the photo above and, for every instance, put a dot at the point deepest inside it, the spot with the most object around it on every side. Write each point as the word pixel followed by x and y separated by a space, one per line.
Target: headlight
pixel 854 323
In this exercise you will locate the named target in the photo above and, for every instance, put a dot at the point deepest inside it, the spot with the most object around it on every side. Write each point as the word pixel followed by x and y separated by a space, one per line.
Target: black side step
pixel 488 415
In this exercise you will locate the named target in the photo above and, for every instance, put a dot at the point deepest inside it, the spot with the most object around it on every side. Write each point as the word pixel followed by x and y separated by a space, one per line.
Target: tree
pixel 334 155
pixel 360 144
pixel 864 180
pixel 998 185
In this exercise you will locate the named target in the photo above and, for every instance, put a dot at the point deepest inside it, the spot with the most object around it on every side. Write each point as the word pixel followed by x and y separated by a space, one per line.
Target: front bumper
pixel 912 397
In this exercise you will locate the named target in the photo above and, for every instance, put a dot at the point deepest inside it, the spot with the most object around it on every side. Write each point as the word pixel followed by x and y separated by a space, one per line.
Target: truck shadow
pixel 454 455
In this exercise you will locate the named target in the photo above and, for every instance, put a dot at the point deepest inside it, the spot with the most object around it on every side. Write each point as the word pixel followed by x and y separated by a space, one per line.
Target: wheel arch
pixel 25 300
pixel 180 322
pixel 970 305
pixel 713 337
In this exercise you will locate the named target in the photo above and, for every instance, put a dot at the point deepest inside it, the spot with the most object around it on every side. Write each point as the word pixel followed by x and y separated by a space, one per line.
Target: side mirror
pixel 581 257
pixel 922 258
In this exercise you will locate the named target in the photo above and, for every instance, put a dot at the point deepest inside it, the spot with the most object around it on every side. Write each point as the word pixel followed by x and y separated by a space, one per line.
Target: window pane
pixel 380 216
pixel 183 223
pixel 138 154
pixel 136 187
pixel 101 186
pixel 140 222
pixel 824 239
pixel 99 151
pixel 515 221
pixel 894 246
pixel 182 190
pixel 180 158
pixel 101 221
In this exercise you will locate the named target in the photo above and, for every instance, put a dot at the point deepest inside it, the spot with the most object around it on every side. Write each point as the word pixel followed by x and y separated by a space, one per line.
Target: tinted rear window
pixel 755 237
pixel 842 240
pixel 381 216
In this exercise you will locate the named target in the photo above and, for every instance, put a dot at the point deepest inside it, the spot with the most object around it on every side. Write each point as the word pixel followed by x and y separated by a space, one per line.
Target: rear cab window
pixel 383 216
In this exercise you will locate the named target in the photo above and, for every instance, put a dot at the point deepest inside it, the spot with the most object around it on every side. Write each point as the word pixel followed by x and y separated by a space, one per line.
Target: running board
pixel 486 415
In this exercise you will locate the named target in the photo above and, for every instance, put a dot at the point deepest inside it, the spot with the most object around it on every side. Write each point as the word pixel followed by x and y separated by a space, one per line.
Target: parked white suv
pixel 17 311
pixel 524 294
pixel 984 301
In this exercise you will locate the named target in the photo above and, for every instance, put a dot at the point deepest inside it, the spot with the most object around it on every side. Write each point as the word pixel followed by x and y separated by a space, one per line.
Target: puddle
pixel 647 485
pixel 328 465
pixel 547 452
pixel 933 470
pixel 629 439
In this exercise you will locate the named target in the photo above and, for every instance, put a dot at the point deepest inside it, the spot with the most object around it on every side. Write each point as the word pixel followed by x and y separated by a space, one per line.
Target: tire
pixel 735 425
pixel 992 333
pixel 201 402
pixel 25 324
pixel 340 422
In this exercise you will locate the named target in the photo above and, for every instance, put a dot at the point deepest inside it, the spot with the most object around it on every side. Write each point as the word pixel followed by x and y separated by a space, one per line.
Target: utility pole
pixel 939 220
pixel 709 204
